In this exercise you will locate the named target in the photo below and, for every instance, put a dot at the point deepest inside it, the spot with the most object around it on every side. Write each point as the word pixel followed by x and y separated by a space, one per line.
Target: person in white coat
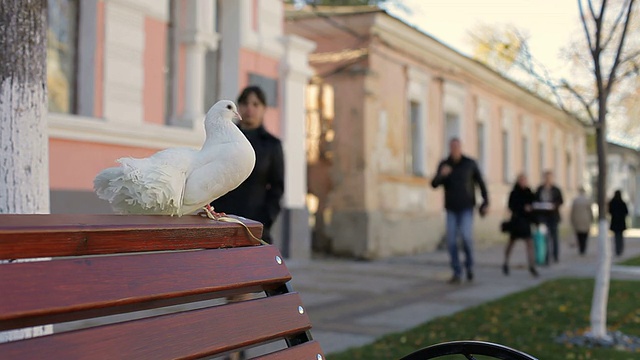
pixel 581 219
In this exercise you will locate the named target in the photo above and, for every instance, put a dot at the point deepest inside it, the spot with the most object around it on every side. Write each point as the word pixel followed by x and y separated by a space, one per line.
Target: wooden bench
pixel 145 287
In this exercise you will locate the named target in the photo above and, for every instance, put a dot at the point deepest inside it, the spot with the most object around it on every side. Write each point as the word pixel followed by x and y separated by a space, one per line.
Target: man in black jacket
pixel 459 175
pixel 258 197
pixel 549 193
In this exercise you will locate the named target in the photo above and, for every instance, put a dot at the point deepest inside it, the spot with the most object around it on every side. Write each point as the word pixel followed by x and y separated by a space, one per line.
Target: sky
pixel 549 23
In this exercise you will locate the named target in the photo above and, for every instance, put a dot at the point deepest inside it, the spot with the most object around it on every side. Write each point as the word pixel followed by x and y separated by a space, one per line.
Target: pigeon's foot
pixel 208 212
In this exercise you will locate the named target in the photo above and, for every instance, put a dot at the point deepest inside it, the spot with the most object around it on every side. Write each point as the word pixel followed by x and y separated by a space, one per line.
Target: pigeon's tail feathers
pixel 102 182
pixel 138 188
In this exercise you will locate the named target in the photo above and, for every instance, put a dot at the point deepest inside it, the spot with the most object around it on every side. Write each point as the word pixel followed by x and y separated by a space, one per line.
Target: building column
pixel 294 74
pixel 198 35
pixel 235 20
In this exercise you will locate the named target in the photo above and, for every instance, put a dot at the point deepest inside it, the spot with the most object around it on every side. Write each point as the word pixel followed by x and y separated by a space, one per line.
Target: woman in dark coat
pixel 520 200
pixel 258 197
pixel 618 211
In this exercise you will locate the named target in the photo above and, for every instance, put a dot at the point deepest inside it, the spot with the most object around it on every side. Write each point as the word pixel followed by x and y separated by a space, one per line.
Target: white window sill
pixel 79 128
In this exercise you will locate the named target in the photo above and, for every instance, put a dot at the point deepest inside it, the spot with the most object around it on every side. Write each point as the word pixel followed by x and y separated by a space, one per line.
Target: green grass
pixel 528 321
pixel 631 262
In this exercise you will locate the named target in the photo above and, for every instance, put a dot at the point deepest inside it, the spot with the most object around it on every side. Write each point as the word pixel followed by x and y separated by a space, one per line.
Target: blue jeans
pixel 460 222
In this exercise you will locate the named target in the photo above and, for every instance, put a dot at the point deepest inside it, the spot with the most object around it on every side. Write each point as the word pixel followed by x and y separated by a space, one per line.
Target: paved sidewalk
pixel 352 303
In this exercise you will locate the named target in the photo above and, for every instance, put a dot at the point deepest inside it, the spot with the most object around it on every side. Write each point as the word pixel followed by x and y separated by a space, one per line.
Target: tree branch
pixel 616 62
pixel 634 71
pixel 582 101
pixel 614 27
pixel 584 24
pixel 630 57
pixel 597 50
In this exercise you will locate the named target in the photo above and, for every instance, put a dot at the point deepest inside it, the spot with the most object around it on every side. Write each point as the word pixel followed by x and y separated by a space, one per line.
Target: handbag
pixel 505 226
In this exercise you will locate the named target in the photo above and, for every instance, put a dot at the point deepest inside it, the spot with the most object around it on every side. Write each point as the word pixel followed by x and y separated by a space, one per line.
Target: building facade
pixel 623 173
pixel 384 102
pixel 131 77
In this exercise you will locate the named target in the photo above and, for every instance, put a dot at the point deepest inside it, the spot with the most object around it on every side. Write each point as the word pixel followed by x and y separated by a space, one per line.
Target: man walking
pixel 459 175
pixel 549 193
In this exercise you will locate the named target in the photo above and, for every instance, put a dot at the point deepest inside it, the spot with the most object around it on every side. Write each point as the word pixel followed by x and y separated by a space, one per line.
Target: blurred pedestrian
pixel 520 201
pixel 258 197
pixel 459 175
pixel 581 219
pixel 618 211
pixel 549 194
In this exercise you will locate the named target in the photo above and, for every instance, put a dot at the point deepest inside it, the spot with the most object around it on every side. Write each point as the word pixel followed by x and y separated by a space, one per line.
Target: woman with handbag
pixel 519 226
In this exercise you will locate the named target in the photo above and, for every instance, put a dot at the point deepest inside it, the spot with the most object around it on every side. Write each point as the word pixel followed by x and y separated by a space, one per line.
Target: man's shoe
pixel 455 279
pixel 505 269
pixel 533 271
pixel 470 275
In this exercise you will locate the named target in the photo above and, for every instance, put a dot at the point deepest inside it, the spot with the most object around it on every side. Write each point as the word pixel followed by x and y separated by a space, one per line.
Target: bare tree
pixel 24 169
pixel 608 63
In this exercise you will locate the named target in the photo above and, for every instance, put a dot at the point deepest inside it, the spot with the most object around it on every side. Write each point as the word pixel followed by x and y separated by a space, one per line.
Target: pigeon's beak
pixel 237 115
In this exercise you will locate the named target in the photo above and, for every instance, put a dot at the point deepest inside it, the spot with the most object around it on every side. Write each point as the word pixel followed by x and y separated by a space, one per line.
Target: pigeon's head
pixel 224 109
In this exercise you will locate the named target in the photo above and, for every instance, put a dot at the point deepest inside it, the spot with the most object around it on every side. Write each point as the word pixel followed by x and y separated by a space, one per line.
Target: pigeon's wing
pixel 218 172
pixel 153 185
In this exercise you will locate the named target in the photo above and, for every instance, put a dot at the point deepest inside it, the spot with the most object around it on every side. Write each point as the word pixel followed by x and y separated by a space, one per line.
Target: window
pixel 268 85
pixel 526 156
pixel 506 157
pixel 170 62
pixel 569 172
pixel 482 156
pixel 62 45
pixel 415 154
pixel 541 158
pixel 451 130
pixel 556 162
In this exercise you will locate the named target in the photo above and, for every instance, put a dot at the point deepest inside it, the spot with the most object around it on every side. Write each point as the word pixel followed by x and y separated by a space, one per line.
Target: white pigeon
pixel 179 181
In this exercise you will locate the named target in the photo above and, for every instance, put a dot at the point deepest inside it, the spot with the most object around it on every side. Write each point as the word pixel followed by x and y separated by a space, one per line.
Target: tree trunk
pixel 603 270
pixel 24 163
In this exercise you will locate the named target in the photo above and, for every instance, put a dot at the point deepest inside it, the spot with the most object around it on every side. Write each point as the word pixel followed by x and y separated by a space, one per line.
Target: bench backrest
pixel 156 287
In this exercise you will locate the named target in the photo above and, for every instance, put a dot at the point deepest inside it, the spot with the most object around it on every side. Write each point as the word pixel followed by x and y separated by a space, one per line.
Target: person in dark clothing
pixel 618 211
pixel 459 176
pixel 549 193
pixel 520 200
pixel 258 197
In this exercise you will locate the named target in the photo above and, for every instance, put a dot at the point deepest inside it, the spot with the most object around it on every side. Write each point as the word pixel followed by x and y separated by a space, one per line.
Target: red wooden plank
pixel 188 335
pixel 309 350
pixel 29 236
pixel 69 289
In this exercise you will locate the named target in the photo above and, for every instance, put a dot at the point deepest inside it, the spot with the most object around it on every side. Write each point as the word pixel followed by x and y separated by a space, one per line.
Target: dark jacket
pixel 258 197
pixel 556 199
pixel 459 185
pixel 521 219
pixel 619 211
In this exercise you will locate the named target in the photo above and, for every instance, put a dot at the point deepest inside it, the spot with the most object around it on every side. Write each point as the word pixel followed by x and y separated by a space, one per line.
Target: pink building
pixel 383 105
pixel 131 77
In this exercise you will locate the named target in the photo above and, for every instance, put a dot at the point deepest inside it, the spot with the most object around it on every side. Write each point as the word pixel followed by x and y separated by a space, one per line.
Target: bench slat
pixel 31 236
pixel 187 335
pixel 309 350
pixel 73 289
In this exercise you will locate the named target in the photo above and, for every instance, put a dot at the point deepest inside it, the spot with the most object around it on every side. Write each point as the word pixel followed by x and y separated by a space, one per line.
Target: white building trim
pixel 123 72
pixel 92 130
pixel 198 34
pixel 295 74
